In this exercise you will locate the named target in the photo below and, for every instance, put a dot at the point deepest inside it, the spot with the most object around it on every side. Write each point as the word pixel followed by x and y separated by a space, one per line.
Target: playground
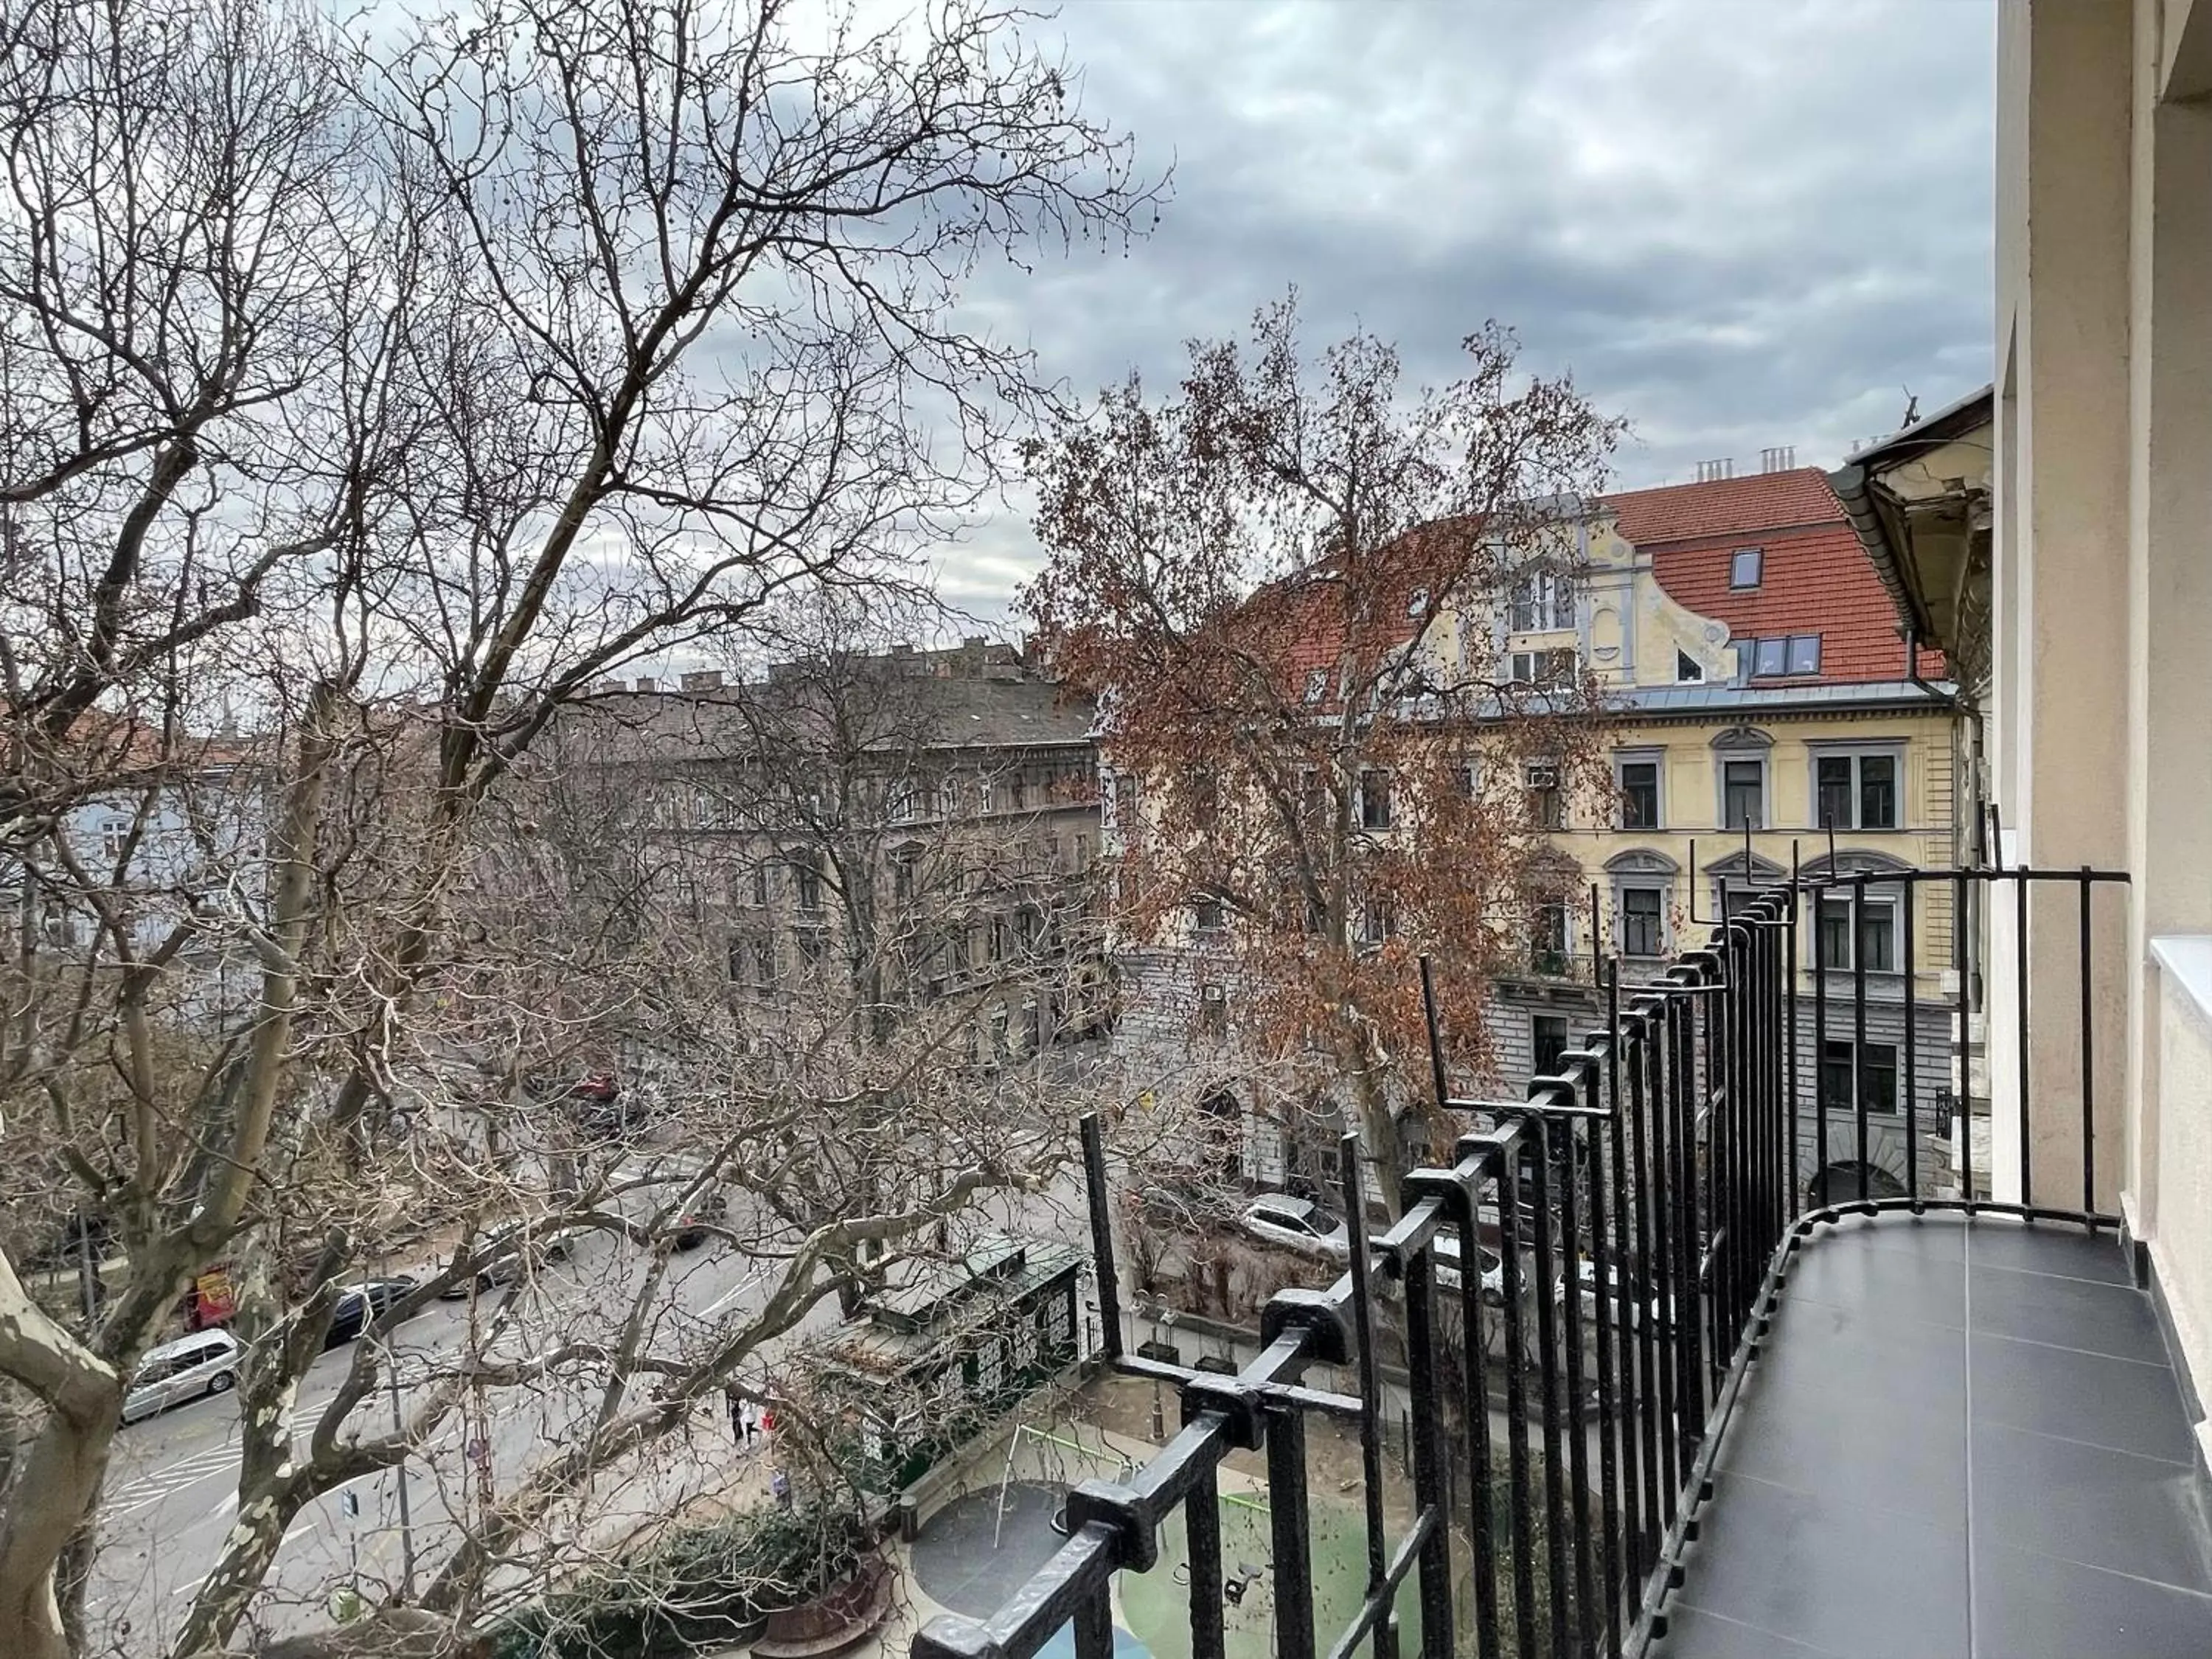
pixel 983 1544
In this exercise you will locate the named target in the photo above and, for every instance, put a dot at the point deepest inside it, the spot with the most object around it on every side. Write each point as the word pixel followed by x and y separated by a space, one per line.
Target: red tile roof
pixel 1727 506
pixel 1815 577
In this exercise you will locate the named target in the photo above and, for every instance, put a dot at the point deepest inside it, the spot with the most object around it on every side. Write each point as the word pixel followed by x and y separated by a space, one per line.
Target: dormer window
pixel 1747 566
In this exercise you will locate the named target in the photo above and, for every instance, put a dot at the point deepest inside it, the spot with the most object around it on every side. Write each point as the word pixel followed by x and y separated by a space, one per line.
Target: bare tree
pixel 385 396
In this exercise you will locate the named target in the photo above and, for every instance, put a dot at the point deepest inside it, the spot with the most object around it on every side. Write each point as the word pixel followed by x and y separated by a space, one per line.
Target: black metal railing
pixel 1645 1202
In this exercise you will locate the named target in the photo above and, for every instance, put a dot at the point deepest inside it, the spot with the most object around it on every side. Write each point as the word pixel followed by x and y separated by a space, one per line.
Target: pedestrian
pixel 739 1424
pixel 779 1485
pixel 752 1427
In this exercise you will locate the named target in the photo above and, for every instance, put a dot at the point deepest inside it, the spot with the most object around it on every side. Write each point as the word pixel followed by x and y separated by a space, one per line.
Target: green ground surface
pixel 1156 1605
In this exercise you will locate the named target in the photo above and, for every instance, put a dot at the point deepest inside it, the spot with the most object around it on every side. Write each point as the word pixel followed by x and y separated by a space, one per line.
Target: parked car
pixel 691 1227
pixel 506 1269
pixel 599 1086
pixel 1493 1269
pixel 613 1117
pixel 1299 1224
pixel 1640 1308
pixel 361 1303
pixel 205 1363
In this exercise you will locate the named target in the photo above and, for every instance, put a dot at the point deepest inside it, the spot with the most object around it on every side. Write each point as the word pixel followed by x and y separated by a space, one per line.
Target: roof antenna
pixel 1912 409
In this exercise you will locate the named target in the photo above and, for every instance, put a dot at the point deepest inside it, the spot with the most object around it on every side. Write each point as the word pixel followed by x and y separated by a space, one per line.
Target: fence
pixel 1644 1200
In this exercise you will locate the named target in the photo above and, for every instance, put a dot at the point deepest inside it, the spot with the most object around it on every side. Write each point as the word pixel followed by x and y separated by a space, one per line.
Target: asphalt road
pixel 171 1490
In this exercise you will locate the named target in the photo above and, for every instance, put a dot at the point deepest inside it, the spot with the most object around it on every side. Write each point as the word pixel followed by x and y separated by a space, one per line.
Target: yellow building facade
pixel 1764 717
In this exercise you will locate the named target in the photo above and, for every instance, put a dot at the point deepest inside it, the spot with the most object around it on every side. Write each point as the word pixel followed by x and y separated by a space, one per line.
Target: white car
pixel 1587 1274
pixel 1493 1269
pixel 189 1368
pixel 1299 1224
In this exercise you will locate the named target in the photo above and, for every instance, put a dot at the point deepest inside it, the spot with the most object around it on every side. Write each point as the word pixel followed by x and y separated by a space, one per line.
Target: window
pixel 1872 1080
pixel 902 877
pixel 1374 923
pixel 1548 939
pixel 1547 1043
pixel 1688 670
pixel 1206 914
pixel 1639 794
pixel 1468 778
pixel 806 877
pixel 1316 685
pixel 760 886
pixel 1082 853
pixel 1204 799
pixel 812 943
pixel 1017 792
pixel 114 836
pixel 1544 804
pixel 1745 566
pixel 1374 799
pixel 764 964
pixel 1856 792
pixel 1125 805
pixel 1543 668
pixel 1778 659
pixel 1543 599
pixel 1743 794
pixel 1212 1009
pixel 1642 921
pixel 1877 933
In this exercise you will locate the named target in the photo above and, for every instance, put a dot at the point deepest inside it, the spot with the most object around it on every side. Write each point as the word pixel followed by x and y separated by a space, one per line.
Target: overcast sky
pixel 1739 224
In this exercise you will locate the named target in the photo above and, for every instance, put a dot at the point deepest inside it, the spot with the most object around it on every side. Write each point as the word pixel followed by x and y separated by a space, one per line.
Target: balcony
pixel 1883 1428
pixel 1962 1436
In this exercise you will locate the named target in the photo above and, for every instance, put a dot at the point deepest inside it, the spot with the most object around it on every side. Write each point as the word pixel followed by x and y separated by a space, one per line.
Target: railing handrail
pixel 1656 1174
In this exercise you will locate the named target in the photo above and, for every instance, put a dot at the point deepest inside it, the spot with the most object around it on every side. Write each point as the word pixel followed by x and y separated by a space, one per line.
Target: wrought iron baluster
pixel 1289 1533
pixel 1907 905
pixel 2088 1060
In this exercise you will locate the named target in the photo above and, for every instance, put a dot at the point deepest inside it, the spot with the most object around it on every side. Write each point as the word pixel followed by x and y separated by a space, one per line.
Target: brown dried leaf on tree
pixel 1286 580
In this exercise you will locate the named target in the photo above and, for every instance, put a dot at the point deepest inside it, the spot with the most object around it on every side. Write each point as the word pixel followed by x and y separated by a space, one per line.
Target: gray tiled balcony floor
pixel 1963 1439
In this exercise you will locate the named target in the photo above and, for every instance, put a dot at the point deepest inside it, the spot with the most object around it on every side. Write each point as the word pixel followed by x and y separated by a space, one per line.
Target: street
pixel 171 1484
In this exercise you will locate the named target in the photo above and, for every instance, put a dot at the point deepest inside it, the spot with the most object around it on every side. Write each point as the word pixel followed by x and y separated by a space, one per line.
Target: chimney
pixel 1720 467
pixel 704 679
pixel 1780 459
pixel 647 683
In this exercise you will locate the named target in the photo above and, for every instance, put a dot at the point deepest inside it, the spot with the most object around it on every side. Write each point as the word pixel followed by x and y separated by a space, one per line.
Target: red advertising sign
pixel 213 1300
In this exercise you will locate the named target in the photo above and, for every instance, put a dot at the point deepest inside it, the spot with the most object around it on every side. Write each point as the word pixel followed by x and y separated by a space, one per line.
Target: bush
pixel 693 1588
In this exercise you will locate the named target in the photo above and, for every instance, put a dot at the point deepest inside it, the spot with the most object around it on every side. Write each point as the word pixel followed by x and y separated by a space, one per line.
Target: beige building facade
pixel 2100 709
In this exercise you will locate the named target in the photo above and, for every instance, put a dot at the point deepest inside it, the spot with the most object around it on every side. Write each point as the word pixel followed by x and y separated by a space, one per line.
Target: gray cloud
pixel 1738 224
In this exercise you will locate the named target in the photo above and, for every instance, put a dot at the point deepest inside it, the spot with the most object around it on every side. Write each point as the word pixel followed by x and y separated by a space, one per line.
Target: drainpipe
pixel 1912 666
